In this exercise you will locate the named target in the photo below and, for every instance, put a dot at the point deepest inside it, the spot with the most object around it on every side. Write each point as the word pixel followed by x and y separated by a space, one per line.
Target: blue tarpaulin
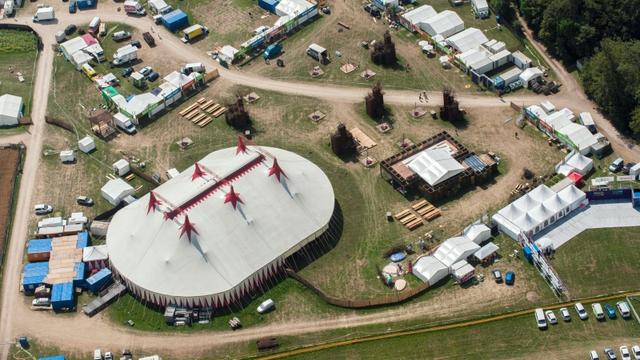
pixel 30 283
pixel 54 357
pixel 83 240
pixel 99 280
pixel 34 269
pixel 62 296
pixel 175 20
pixel 78 280
pixel 38 246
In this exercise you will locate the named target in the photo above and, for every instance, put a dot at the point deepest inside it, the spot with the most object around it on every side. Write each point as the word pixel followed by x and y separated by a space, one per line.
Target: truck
pixel 125 55
pixel 123 122
pixel 134 7
pixel 94 26
pixel 193 67
pixel 193 32
pixel 45 13
pixel 318 53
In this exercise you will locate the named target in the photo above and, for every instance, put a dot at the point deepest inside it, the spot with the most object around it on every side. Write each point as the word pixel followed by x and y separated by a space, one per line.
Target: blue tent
pixel 175 20
pixel 62 296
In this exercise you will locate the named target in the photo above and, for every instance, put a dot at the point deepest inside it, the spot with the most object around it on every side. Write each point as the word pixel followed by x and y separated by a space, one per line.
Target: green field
pixel 18 54
pixel 505 339
pixel 600 261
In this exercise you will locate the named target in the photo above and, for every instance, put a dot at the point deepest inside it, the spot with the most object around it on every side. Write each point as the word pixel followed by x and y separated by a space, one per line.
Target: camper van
pixel 623 307
pixel 88 70
pixel 540 319
pixel 192 67
pixel 94 26
pixel 125 55
pixel 124 123
pixel 597 311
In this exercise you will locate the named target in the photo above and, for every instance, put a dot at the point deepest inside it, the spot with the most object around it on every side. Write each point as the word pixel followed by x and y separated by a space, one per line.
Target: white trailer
pixel 125 54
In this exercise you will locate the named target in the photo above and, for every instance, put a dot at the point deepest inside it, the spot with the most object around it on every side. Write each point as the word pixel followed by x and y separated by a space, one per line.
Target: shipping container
pixel 175 20
pixel 83 240
pixel 38 268
pixel 269 5
pixel 99 281
pixel 62 296
pixel 78 279
pixel 38 250
pixel 30 283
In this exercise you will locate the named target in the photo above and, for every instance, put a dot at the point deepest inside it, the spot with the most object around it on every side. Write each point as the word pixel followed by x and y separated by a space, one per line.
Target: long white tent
pixel 445 23
pixel 220 229
pixel 434 165
pixel 538 209
pixel 467 39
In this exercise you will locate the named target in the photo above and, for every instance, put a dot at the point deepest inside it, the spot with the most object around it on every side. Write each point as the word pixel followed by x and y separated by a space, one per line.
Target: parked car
pixel 121 35
pixel 627 167
pixel 43 209
pixel 127 72
pixel 70 29
pixel 146 70
pixel 616 165
pixel 597 311
pixel 509 278
pixel 635 350
pixel 624 353
pixel 623 307
pixel 108 355
pixel 126 353
pixel 540 319
pixel 564 312
pixel 136 43
pixel 266 306
pixel 153 76
pixel 593 355
pixel 497 275
pixel 41 302
pixel 611 355
pixel 610 310
pixel 84 200
pixel 97 354
pixel 551 317
pixel 582 313
pixel 73 7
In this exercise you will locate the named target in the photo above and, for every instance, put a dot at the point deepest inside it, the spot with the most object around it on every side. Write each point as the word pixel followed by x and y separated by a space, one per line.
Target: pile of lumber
pixel 202 112
pixel 419 211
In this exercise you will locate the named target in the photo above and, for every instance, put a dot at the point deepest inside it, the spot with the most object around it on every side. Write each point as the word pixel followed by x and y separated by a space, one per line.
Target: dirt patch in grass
pixel 8 176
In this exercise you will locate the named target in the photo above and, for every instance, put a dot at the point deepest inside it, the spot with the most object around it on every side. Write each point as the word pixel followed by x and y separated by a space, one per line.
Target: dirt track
pixel 83 329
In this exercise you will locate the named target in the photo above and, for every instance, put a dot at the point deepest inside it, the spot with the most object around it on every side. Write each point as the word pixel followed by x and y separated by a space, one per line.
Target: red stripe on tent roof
pixel 215 187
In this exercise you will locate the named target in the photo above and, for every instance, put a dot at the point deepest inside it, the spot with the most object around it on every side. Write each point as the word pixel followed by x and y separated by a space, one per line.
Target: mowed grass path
pixel 18 53
pixel 505 339
pixel 600 261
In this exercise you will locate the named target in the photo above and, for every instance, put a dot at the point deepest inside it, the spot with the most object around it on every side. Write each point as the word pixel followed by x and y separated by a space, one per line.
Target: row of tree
pixel 602 35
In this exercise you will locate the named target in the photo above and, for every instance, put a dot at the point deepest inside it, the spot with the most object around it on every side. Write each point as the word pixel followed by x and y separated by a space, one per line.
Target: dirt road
pixel 46 327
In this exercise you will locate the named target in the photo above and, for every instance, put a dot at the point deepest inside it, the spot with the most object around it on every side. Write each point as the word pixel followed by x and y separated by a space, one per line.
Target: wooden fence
pixel 381 300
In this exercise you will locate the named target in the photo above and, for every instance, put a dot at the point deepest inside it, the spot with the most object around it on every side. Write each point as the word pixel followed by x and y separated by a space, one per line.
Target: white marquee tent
pixel 574 162
pixel 116 190
pixel 478 233
pixel 430 270
pixel 220 229
pixel 10 110
pixel 467 39
pixel 419 15
pixel 434 165
pixel 455 249
pixel 445 23
pixel 538 209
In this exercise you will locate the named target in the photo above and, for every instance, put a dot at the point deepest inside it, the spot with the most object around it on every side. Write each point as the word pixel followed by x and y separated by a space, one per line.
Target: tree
pixel 504 9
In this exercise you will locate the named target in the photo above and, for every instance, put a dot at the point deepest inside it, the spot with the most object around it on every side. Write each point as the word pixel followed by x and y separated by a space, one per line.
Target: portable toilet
pixel 272 51
pixel 528 253
pixel 636 199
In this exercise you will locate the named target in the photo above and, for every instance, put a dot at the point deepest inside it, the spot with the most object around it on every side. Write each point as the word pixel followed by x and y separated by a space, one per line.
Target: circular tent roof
pixel 213 230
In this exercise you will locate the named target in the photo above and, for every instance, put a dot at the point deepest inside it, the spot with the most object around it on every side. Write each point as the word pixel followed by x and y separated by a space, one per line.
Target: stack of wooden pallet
pixel 408 219
pixel 426 210
pixel 413 217
pixel 200 112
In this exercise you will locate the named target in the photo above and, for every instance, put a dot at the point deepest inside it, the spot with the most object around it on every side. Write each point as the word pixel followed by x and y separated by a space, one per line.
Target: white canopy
pixel 455 249
pixel 575 162
pixel 581 138
pixel 95 253
pixel 221 227
pixel 467 39
pixel 10 109
pixel 478 233
pixel 530 74
pixel 419 15
pixel 114 191
pixel 430 270
pixel 486 251
pixel 434 165
pixel 445 23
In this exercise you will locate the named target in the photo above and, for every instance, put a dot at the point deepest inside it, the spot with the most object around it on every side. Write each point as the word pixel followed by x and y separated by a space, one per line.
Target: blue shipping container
pixel 54 357
pixel 175 20
pixel 99 281
pixel 85 4
pixel 78 280
pixel 30 283
pixel 38 246
pixel 83 240
pixel 62 296
pixel 269 5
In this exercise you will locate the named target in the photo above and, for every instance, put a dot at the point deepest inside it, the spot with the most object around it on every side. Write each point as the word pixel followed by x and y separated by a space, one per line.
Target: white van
pixel 266 306
pixel 582 313
pixel 97 354
pixel 540 319
pixel 597 311
pixel 623 307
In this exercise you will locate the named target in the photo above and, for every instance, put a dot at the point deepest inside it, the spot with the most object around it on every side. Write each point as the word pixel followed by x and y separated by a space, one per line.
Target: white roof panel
pixel 446 23
pixel 435 165
pixel 467 39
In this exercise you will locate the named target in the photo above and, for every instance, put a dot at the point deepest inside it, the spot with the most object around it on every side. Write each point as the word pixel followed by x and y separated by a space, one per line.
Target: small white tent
pixel 10 110
pixel 114 191
pixel 86 144
pixel 430 270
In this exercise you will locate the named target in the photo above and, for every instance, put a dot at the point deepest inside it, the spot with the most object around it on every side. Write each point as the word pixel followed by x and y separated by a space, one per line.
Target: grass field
pixel 600 261
pixel 505 339
pixel 18 54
